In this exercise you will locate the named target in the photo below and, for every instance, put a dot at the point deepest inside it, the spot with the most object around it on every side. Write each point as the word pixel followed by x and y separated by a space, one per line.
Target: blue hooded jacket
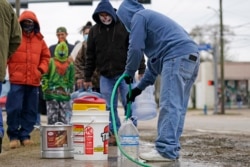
pixel 155 34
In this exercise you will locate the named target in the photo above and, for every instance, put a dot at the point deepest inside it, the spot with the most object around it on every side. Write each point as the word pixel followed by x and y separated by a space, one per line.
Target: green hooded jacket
pixel 55 84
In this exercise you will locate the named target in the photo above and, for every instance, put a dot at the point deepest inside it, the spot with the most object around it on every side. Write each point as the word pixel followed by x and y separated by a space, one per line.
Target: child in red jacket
pixel 26 67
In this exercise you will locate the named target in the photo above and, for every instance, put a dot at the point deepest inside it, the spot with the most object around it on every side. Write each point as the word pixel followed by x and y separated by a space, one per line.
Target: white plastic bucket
pixel 90 135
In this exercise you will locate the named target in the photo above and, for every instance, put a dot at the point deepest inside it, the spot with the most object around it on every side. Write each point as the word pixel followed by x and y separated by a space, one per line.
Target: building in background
pixel 237 83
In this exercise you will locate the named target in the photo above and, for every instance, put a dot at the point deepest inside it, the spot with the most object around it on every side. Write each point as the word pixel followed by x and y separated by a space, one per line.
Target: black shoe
pixel 1 144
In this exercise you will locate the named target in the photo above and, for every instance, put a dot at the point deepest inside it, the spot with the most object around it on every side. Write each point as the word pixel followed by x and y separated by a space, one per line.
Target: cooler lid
pixel 89 100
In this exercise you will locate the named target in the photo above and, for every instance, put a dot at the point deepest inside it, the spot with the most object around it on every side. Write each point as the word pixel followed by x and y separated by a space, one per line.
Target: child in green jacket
pixel 57 86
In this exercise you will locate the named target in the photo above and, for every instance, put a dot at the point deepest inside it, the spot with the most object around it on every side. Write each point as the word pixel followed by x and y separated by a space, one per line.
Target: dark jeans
pixel 21 108
pixel 42 103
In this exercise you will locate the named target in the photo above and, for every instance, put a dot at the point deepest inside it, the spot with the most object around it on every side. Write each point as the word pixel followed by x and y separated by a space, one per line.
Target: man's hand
pixel 135 92
pixel 140 76
pixel 128 79
pixel 80 83
pixel 87 85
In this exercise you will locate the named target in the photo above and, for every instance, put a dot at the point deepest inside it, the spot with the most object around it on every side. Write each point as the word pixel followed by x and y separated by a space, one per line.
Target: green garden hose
pixel 127 116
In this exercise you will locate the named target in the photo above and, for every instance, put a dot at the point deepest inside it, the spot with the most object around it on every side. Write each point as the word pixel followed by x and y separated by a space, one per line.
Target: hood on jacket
pixel 127 10
pixel 104 6
pixel 61 52
pixel 27 14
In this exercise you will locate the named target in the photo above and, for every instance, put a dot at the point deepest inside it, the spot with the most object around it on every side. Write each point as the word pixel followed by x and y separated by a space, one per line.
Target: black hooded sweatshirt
pixel 107 45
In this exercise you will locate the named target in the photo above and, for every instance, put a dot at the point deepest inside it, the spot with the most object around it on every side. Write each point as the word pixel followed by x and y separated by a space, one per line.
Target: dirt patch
pixel 214 149
pixel 228 150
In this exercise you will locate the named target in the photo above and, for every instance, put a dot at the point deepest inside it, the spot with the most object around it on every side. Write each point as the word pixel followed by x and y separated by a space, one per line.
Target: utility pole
pixel 215 55
pixel 222 61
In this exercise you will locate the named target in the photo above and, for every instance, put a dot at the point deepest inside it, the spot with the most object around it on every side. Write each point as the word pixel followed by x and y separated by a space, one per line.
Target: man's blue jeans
pixel 1 116
pixel 21 108
pixel 177 78
pixel 106 88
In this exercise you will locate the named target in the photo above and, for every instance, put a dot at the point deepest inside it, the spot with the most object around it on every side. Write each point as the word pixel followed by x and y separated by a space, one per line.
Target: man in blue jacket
pixel 173 55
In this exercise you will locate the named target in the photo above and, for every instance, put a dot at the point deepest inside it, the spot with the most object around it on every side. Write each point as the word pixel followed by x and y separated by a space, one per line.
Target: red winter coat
pixel 31 59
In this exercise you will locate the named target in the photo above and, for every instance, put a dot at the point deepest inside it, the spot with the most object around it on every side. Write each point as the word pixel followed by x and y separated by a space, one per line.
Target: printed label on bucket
pixel 105 139
pixel 89 140
pixel 78 139
pixel 57 139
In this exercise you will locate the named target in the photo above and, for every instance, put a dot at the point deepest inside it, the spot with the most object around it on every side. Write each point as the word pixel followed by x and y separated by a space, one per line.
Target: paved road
pixel 233 121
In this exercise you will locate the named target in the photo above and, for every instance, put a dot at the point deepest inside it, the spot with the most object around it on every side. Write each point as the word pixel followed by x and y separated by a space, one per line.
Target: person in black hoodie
pixel 107 48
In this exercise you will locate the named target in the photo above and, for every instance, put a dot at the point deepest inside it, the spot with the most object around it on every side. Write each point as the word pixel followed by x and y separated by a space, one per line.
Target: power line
pixel 240 26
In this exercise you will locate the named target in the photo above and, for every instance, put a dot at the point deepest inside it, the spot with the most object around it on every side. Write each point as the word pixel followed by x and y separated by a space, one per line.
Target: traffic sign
pixel 205 47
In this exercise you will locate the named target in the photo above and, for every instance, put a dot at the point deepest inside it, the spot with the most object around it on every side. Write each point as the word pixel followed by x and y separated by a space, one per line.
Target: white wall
pixel 204 92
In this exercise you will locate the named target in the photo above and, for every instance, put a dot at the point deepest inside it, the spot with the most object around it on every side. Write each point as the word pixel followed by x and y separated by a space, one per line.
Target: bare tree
pixel 209 34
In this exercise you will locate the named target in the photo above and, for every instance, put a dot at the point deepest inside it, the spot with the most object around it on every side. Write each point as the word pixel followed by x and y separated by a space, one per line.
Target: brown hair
pixel 88 25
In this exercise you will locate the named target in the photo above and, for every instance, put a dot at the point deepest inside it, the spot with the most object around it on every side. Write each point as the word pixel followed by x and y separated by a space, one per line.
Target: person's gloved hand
pixel 128 79
pixel 135 92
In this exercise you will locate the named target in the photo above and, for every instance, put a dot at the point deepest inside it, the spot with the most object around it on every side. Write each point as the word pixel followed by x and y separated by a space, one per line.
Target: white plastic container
pixel 90 135
pixel 144 107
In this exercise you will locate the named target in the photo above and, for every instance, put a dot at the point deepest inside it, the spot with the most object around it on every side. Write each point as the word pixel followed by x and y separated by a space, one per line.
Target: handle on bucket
pixel 40 128
pixel 90 97
pixel 87 98
pixel 92 109
pixel 59 123
pixel 92 120
pixel 37 126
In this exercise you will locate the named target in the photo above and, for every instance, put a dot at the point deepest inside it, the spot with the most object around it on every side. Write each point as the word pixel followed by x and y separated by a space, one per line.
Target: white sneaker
pixel 154 156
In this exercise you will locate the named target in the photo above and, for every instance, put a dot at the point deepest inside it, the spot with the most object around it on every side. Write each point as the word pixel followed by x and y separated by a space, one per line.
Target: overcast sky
pixel 188 13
